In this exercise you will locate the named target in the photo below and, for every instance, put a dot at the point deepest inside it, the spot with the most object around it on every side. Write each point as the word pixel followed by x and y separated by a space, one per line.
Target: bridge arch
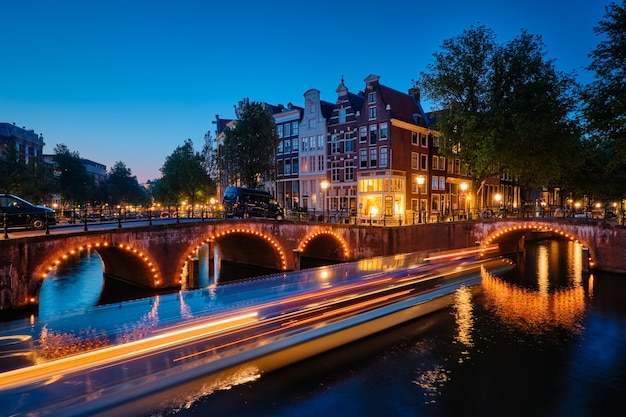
pixel 121 261
pixel 509 235
pixel 241 245
pixel 324 244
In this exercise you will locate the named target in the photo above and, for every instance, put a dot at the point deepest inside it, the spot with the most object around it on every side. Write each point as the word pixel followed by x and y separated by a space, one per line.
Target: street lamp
pixel 464 197
pixel 420 181
pixel 324 184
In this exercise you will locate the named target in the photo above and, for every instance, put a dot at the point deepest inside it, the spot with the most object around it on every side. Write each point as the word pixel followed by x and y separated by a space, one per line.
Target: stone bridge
pixel 155 256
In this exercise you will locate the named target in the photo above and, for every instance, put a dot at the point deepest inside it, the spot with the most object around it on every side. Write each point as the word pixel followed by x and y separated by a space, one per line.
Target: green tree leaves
pixel 505 108
pixel 123 188
pixel 604 100
pixel 249 149
pixel 185 177
pixel 75 183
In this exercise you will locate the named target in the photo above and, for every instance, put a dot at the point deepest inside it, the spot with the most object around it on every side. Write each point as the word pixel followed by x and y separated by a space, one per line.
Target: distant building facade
pixel 312 137
pixel 287 120
pixel 28 143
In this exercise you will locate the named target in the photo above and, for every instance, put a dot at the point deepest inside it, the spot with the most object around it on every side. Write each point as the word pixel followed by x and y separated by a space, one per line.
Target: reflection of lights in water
pixel 431 381
pixel 143 327
pixel 534 311
pixel 371 264
pixel 55 345
pixel 185 310
pixel 225 381
pixel 543 269
pixel 463 315
pixel 591 282
pixel 575 254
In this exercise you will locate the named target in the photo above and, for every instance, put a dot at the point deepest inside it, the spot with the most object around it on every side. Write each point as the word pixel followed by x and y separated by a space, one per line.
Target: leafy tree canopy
pixel 123 188
pixel 75 183
pixel 249 149
pixel 604 100
pixel 504 108
pixel 184 177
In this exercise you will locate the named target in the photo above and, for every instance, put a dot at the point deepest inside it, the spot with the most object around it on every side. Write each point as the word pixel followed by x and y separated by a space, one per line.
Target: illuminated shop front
pixel 381 195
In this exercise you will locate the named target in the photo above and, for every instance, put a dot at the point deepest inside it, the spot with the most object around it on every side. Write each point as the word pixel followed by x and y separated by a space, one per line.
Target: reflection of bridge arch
pixel 509 234
pixel 324 244
pixel 534 311
pixel 121 261
pixel 242 245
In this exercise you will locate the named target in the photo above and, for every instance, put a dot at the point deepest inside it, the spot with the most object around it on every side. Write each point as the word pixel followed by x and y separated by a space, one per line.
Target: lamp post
pixel 498 198
pixel 420 182
pixel 324 184
pixel 464 198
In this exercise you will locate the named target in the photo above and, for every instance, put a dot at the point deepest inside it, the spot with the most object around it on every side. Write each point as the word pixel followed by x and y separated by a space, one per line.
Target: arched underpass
pixel 322 248
pixel 512 239
pixel 243 253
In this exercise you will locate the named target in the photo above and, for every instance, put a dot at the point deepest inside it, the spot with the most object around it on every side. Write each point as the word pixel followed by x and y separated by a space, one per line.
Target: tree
pixel 534 137
pixel 505 108
pixel 458 84
pixel 604 100
pixel 184 176
pixel 75 183
pixel 249 149
pixel 13 171
pixel 123 188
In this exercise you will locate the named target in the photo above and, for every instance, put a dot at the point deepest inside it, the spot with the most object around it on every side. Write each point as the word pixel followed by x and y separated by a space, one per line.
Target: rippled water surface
pixel 546 340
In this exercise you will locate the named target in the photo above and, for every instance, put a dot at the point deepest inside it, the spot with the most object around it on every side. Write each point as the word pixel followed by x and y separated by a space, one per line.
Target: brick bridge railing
pixel 155 256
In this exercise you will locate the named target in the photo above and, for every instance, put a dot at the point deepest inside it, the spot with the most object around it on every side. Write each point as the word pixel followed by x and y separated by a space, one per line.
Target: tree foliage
pixel 604 100
pixel 249 149
pixel 184 177
pixel 504 108
pixel 33 181
pixel 75 183
pixel 123 188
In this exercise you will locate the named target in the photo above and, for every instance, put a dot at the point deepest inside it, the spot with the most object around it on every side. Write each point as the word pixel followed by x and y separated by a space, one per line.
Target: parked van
pixel 250 202
pixel 21 213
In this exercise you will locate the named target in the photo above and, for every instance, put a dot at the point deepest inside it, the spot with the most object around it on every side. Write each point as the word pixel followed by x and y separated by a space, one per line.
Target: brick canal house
pixel 371 157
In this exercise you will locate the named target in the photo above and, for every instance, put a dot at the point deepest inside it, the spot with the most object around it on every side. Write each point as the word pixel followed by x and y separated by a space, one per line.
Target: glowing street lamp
pixel 420 182
pixel 464 197
pixel 324 184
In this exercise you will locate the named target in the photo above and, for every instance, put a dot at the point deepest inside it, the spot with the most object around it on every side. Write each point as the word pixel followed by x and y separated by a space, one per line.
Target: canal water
pixel 544 340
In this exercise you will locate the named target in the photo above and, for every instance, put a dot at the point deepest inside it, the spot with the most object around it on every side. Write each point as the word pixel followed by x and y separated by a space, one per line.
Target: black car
pixel 250 202
pixel 20 213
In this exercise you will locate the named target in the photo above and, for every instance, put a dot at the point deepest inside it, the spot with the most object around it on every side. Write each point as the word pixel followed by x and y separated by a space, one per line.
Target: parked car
pixel 21 213
pixel 250 202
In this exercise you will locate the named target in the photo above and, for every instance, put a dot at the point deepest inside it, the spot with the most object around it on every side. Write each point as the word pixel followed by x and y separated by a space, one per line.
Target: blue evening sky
pixel 124 80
